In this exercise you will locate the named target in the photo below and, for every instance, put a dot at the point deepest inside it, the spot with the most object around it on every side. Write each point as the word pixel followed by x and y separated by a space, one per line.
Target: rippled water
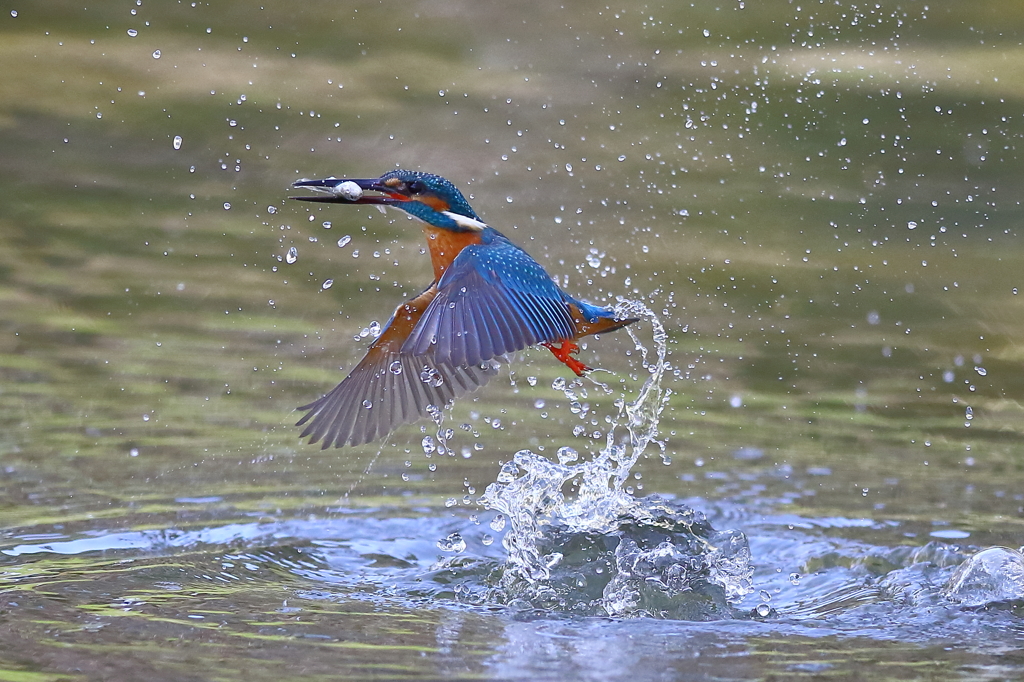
pixel 806 462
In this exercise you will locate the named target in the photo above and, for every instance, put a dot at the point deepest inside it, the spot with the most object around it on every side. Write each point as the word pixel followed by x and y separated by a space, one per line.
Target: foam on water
pixel 602 549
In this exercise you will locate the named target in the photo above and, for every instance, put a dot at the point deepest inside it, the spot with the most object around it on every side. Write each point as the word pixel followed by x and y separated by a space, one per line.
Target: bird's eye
pixel 416 187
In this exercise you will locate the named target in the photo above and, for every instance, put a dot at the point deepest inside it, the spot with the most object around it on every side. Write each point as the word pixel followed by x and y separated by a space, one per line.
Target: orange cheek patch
pixel 435 203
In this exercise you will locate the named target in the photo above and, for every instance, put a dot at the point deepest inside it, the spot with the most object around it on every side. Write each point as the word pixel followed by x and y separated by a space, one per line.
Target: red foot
pixel 563 354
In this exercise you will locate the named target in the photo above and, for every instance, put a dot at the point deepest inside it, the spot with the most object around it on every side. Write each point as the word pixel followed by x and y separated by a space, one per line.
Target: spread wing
pixel 390 387
pixel 493 299
pixel 385 390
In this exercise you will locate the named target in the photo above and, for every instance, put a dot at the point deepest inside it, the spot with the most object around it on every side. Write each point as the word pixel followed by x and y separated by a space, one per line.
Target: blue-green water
pixel 820 202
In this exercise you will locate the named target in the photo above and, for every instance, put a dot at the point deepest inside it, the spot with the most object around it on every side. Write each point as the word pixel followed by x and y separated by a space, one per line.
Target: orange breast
pixel 405 318
pixel 445 245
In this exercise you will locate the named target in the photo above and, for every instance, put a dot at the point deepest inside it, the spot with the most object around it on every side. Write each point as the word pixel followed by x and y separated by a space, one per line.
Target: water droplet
pixel 395 367
pixel 487 540
pixel 498 523
pixel 132 33
pixel 969 413
pixel 763 610
pixel 227 206
pixel 343 242
pixel 567 455
pixel 99 114
pixel 134 452
pixel 328 283
pixel 911 225
pixel 292 255
pixel 428 445
pixel 156 54
pixel 367 404
pixel 14 13
pixel 452 543
pixel 145 417
pixel 327 224
pixel 981 370
pixel 374 329
pixel 431 376
pixel 622 157
pixel 177 142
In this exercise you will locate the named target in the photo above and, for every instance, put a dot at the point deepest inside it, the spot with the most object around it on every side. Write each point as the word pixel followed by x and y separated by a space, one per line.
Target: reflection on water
pixel 817 201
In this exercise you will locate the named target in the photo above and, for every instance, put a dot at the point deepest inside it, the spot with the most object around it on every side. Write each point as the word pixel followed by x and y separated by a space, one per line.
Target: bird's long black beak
pixel 344 191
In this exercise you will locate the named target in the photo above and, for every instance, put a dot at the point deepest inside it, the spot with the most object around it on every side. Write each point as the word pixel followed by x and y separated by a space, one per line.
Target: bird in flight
pixel 488 298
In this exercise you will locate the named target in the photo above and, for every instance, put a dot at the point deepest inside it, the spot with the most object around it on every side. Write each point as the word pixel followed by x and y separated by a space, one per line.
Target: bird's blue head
pixel 426 196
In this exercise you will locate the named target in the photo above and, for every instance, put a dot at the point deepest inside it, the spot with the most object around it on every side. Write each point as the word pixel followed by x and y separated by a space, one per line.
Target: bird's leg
pixel 563 353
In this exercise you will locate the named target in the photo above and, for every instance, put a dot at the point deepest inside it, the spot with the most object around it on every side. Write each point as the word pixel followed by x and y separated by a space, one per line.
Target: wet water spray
pixel 602 550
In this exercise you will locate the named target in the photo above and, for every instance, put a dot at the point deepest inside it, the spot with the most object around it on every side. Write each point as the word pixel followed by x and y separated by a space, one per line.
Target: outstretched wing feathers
pixel 493 299
pixel 390 382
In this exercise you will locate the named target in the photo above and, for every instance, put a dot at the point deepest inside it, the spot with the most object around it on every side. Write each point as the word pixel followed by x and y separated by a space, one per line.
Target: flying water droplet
pixel 431 376
pixel 343 242
pixel 177 142
pixel 498 523
pixel 132 33
pixel 395 367
pixel 328 283
pixel 452 543
pixel 292 255
pixel 567 455
pixel 156 54
pixel 367 404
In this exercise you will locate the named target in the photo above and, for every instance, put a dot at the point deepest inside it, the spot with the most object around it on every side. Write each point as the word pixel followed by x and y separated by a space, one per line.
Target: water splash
pixel 602 549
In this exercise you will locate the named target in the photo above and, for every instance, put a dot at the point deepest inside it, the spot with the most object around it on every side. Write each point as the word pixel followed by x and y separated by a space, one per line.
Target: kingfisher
pixel 489 298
